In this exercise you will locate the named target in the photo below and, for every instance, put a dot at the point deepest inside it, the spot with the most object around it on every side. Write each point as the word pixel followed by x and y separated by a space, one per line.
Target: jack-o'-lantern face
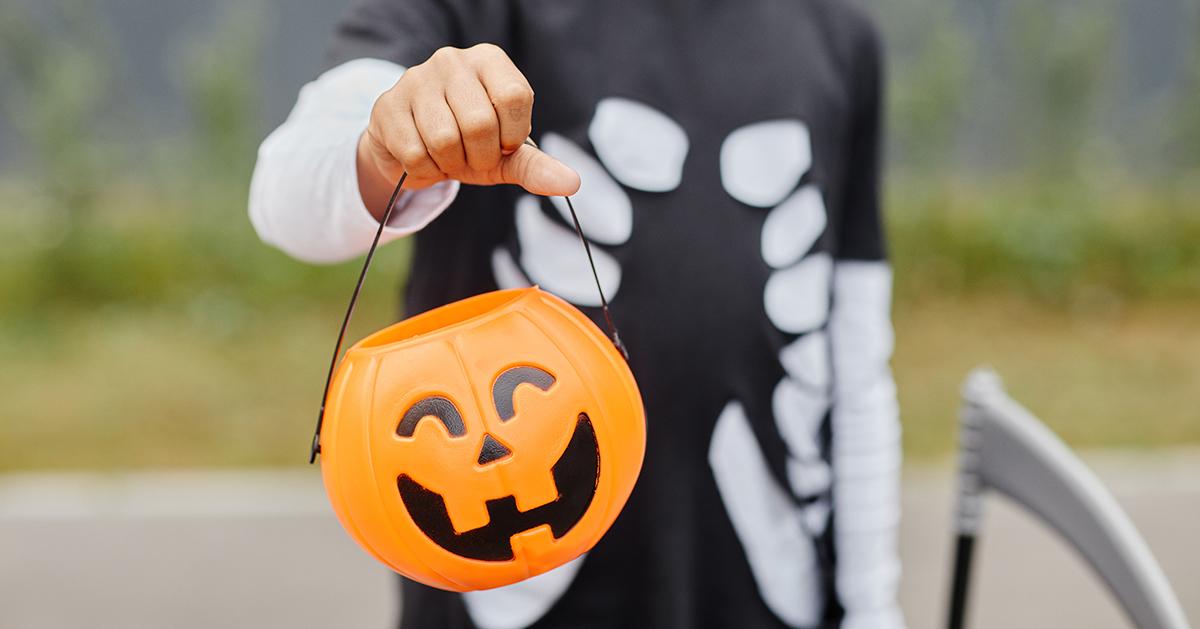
pixel 483 442
pixel 574 474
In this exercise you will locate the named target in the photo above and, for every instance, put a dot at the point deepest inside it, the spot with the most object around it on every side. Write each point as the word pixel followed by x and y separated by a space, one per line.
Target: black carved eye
pixel 436 407
pixel 508 381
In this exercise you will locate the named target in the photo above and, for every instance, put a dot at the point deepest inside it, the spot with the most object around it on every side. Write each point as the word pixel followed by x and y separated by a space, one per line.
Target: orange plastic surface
pixel 457 352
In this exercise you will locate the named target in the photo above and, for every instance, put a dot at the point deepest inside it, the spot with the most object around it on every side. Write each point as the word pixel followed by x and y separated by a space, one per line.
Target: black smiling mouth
pixel 576 474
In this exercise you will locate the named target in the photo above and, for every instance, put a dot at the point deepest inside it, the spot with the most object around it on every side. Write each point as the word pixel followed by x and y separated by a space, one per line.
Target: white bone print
pixel 782 558
pixel 806 360
pixel 762 162
pixel 797 298
pixel 797 295
pixel 791 229
pixel 604 209
pixel 522 603
pixel 642 148
pixel 762 165
pixel 552 257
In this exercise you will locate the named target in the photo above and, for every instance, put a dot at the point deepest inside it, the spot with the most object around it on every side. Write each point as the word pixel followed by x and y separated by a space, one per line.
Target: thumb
pixel 538 173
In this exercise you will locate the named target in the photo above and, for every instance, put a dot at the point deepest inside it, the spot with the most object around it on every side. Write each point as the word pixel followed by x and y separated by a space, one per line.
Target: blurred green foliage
pixel 53 90
pixel 143 323
pixel 1061 246
pixel 929 60
pixel 1059 66
pixel 93 222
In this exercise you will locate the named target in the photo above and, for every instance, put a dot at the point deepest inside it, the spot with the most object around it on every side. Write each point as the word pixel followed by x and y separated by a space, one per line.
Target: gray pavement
pixel 261 549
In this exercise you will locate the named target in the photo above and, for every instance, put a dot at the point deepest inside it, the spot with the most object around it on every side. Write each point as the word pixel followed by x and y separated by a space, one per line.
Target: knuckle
pixel 377 143
pixel 487 49
pixel 410 154
pixel 386 99
pixel 476 126
pixel 445 53
pixel 409 83
pixel 384 106
pixel 442 142
pixel 410 76
pixel 520 171
pixel 421 165
pixel 513 96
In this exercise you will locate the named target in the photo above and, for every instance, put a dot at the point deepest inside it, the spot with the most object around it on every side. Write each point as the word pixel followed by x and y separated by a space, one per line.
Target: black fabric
pixel 690 304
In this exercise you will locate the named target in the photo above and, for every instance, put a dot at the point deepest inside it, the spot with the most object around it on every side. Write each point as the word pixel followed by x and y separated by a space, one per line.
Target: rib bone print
pixel 643 149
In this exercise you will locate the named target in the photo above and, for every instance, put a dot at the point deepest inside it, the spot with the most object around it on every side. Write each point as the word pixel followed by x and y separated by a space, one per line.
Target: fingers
pixel 458 116
pixel 439 131
pixel 511 98
pixel 390 146
pixel 409 148
pixel 538 173
pixel 477 123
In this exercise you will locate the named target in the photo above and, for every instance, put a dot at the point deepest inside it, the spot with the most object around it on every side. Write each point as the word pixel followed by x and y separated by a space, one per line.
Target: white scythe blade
pixel 1006 448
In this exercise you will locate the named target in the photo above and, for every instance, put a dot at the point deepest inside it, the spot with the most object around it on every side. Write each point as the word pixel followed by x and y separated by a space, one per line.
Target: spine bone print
pixel 763 165
pixel 837 367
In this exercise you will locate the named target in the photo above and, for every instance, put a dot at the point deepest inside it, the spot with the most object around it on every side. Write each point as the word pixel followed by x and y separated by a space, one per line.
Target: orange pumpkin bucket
pixel 483 442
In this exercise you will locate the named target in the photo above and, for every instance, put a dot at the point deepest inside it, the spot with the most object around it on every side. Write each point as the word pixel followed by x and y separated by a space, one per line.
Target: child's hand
pixel 463 114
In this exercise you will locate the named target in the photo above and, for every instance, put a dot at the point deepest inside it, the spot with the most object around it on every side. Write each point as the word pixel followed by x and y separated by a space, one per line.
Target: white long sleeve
pixel 866 446
pixel 304 196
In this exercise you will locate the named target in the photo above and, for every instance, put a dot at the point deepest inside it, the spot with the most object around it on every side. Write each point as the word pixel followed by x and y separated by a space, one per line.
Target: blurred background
pixel 1043 205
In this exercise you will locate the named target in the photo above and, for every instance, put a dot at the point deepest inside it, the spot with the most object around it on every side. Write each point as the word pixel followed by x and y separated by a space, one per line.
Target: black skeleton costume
pixel 729 156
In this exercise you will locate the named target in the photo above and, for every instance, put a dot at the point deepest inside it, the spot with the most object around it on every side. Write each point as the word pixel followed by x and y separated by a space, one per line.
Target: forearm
pixel 374 187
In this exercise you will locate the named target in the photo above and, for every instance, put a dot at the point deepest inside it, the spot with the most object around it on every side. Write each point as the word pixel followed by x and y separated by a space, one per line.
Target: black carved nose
pixel 492 450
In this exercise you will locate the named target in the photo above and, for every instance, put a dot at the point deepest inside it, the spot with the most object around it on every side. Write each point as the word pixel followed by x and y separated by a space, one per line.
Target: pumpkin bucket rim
pixel 443 320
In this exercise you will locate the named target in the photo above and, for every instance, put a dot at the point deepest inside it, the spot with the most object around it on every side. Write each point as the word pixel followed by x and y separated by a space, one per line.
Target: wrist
pixel 373 185
pixel 377 174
